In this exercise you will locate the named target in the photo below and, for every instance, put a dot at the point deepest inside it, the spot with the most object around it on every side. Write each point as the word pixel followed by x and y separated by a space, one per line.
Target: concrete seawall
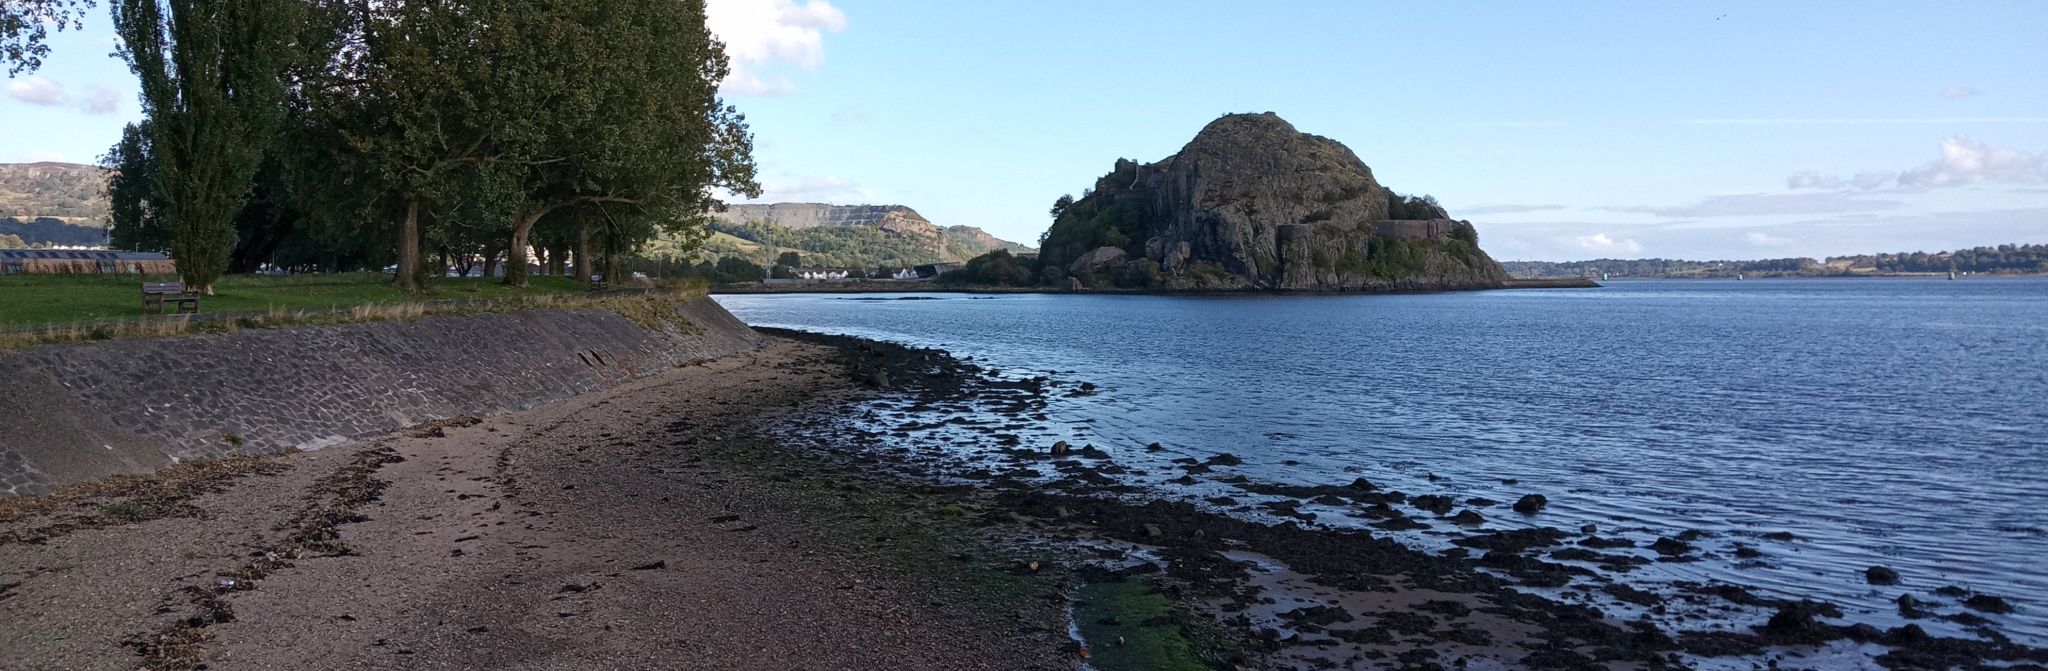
pixel 77 412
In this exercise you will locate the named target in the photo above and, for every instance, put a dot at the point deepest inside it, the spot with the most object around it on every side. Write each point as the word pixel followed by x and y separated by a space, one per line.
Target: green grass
pixel 1109 612
pixel 37 300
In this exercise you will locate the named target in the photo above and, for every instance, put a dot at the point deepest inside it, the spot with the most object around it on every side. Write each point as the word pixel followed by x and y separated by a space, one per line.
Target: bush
pixel 995 269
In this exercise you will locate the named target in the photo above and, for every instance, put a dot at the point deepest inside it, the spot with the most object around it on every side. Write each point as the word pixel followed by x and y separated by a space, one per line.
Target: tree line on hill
pixel 2001 259
pixel 340 135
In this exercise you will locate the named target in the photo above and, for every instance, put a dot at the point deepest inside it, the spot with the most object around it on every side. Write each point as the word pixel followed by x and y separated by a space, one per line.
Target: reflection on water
pixel 1829 424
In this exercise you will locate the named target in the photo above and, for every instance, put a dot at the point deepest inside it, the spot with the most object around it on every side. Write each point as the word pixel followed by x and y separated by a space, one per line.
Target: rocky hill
pixel 52 204
pixel 857 236
pixel 68 191
pixel 1252 203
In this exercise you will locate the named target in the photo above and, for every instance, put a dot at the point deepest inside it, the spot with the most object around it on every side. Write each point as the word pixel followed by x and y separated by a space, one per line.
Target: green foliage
pixel 1060 205
pixel 11 242
pixel 210 72
pixel 995 269
pixel 1411 207
pixel 847 246
pixel 1124 225
pixel 25 28
pixel 132 220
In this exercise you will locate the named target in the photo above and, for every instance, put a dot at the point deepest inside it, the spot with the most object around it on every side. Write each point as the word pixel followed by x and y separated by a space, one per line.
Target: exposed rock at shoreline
pixel 1252 203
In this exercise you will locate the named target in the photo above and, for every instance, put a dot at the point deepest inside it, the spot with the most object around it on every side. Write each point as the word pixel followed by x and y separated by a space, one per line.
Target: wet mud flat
pixel 645 527
pixel 1262 574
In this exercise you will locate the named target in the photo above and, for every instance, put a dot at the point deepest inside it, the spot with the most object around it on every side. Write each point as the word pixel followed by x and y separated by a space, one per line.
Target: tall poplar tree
pixel 212 94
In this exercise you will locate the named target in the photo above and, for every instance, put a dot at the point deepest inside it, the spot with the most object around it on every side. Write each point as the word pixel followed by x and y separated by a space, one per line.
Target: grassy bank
pixel 37 300
pixel 48 310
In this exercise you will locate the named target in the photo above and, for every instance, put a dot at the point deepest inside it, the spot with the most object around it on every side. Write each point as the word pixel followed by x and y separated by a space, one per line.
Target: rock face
pixel 1252 203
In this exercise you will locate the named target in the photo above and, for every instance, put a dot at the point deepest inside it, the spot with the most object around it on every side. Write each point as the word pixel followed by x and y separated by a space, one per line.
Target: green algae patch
pixel 1131 627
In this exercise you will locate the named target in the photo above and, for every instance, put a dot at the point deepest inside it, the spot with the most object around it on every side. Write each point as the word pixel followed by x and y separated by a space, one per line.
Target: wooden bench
pixel 597 283
pixel 156 294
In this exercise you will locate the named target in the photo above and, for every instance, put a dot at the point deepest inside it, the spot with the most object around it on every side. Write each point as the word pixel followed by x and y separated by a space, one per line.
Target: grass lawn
pixel 35 300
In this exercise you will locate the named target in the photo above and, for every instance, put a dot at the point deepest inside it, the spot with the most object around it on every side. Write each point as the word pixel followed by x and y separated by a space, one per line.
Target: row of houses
pixel 84 262
pixel 910 273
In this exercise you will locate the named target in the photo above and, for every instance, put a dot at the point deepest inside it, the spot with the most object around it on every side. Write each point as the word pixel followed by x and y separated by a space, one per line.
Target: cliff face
pixel 1253 203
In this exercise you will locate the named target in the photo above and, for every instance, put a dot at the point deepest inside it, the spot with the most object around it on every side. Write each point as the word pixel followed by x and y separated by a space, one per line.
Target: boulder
pixel 1101 259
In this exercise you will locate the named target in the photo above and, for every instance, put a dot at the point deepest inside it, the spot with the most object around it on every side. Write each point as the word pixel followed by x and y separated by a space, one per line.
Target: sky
pixel 1722 130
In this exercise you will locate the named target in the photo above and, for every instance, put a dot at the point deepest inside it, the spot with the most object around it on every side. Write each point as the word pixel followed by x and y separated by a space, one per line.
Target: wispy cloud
pixel 1960 93
pixel 1787 121
pixel 1758 204
pixel 1506 124
pixel 760 33
pixel 1507 209
pixel 789 188
pixel 37 91
pixel 101 99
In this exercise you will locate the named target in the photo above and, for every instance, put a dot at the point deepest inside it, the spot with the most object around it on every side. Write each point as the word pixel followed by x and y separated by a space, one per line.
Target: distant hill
pixel 73 193
pixel 48 232
pixel 849 236
pixel 2002 259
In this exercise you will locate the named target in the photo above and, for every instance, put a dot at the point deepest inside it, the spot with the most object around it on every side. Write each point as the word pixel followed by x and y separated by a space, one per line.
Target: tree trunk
pixel 515 258
pixel 409 266
pixel 584 267
pixel 491 266
pixel 558 257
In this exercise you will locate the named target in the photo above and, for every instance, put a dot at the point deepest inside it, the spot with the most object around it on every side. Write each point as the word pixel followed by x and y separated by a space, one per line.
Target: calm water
pixel 1896 422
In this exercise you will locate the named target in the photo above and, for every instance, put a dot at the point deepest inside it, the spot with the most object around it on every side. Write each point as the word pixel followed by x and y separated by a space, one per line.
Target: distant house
pixel 931 270
pixel 84 262
pixel 818 274
pixel 904 274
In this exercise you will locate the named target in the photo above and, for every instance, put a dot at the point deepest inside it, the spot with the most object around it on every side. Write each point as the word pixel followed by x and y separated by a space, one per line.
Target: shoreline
pixel 743 470
pixel 931 288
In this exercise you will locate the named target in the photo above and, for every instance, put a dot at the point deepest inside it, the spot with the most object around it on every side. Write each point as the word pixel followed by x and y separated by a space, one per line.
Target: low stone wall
pixel 76 412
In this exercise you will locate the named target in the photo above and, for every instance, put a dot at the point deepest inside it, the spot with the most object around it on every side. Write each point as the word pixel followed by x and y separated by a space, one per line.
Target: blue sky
pixel 1565 131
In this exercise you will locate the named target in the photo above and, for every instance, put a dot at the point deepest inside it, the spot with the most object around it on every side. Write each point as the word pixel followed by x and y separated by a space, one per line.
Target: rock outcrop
pixel 1252 203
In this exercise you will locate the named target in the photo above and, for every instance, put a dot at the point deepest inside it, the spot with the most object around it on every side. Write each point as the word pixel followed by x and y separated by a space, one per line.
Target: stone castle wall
pixel 77 412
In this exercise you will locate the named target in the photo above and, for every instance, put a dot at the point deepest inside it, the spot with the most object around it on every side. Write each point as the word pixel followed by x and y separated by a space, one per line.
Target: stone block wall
pixel 76 412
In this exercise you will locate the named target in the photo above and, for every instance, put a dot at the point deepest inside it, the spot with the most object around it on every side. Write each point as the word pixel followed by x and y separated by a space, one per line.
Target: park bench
pixel 156 294
pixel 597 283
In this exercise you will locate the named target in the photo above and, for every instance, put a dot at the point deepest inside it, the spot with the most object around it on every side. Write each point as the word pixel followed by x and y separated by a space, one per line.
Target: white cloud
pixel 1753 204
pixel 1967 161
pixel 852 115
pixel 1507 209
pixel 101 99
pixel 1866 180
pixel 1963 161
pixel 787 188
pixel 760 33
pixel 1960 93
pixel 37 91
pixel 1599 242
pixel 1764 240
pixel 1780 121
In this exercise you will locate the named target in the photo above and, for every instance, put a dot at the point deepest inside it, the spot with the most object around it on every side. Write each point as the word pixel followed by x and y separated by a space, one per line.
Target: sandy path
pixel 616 530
